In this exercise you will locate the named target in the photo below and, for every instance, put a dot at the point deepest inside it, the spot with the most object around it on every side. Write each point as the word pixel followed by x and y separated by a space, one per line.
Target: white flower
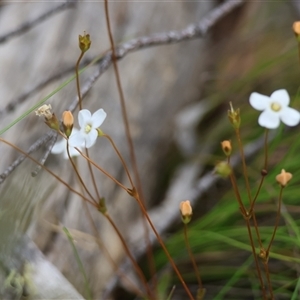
pixel 61 147
pixel 275 108
pixel 88 128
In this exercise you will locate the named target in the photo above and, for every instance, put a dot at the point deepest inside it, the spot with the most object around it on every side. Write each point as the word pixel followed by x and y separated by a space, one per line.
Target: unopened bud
pixel 234 117
pixel 226 147
pixel 186 211
pixel 68 121
pixel 223 169
pixel 84 42
pixel 283 178
pixel 296 29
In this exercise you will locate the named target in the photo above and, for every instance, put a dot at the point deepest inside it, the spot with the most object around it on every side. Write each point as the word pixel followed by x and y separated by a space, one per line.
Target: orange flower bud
pixel 296 28
pixel 186 211
pixel 68 121
pixel 226 147
pixel 283 178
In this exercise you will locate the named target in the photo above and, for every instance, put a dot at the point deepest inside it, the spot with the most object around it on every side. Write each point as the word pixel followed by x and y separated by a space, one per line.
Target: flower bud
pixel 296 29
pixel 234 117
pixel 226 147
pixel 67 121
pixel 186 211
pixel 223 169
pixel 283 178
pixel 84 42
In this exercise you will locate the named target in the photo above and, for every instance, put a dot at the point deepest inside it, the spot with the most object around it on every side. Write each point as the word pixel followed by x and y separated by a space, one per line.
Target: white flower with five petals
pixel 274 109
pixel 61 147
pixel 88 123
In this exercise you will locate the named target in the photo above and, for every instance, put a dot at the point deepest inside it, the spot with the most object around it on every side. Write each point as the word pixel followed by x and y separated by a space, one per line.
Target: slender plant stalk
pixel 247 217
pixel 277 220
pixel 92 176
pixel 164 248
pixel 108 256
pixel 78 175
pixel 103 171
pixel 121 158
pixel 244 164
pixel 266 149
pixel 77 79
pixel 196 269
pixel 134 263
pixel 80 108
pixel 150 256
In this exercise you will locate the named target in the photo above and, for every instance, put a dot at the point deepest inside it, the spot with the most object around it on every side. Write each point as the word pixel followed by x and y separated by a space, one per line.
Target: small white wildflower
pixel 61 147
pixel 88 128
pixel 275 108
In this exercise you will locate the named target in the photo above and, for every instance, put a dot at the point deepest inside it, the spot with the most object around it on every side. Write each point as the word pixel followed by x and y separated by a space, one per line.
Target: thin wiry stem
pixel 131 257
pixel 188 247
pixel 130 143
pixel 77 79
pixel 159 239
pixel 121 158
pixel 103 248
pixel 78 175
pixel 103 171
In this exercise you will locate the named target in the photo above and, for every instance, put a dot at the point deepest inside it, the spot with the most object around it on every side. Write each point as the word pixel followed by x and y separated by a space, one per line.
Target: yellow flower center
pixel 275 106
pixel 87 128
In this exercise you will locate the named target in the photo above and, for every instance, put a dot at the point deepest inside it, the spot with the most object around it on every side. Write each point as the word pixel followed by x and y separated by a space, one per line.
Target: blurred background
pixel 177 97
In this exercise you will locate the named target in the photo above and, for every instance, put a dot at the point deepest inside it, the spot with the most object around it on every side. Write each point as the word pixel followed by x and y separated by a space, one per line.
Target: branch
pixel 30 24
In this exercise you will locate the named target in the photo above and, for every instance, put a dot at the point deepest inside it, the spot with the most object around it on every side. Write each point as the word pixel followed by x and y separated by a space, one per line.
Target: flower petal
pixel 98 117
pixel 281 96
pixel 269 119
pixel 59 147
pixel 84 116
pixel 290 116
pixel 76 140
pixel 90 139
pixel 259 101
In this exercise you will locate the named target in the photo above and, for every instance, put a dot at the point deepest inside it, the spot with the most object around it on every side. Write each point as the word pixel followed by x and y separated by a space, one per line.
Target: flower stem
pixel 164 248
pixel 78 175
pixel 245 173
pixel 108 255
pixel 77 79
pixel 103 171
pixel 196 269
pixel 121 158
pixel 130 141
pixel 135 265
